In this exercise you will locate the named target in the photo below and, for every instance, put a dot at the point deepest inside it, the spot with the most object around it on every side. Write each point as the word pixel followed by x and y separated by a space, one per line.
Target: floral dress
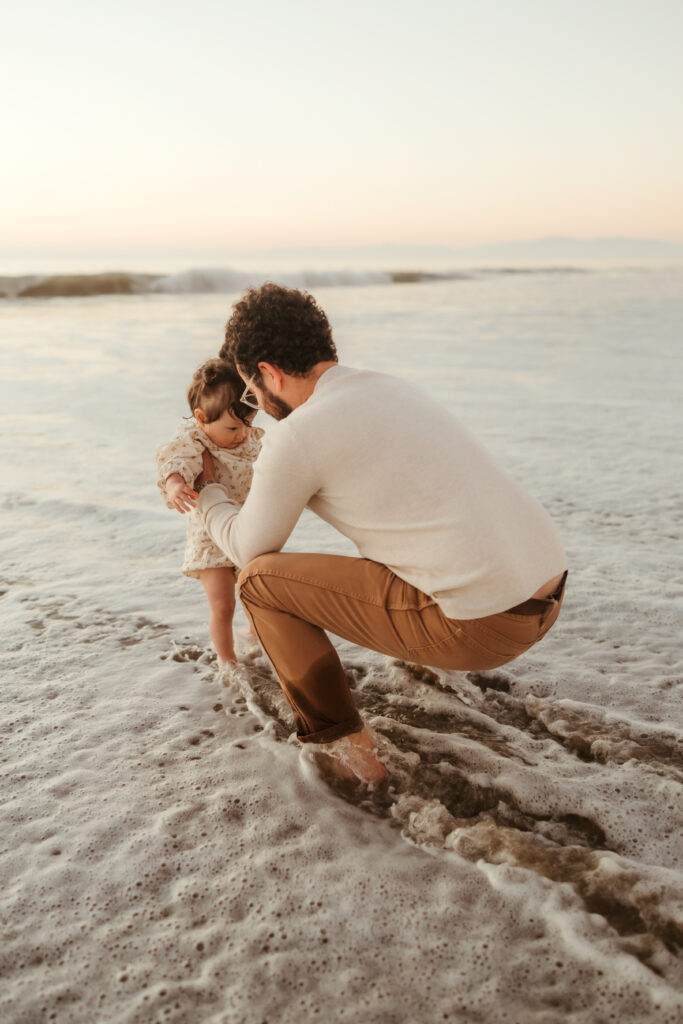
pixel 234 469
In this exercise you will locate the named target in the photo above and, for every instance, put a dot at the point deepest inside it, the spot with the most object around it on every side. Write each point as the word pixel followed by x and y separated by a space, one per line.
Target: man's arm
pixel 284 481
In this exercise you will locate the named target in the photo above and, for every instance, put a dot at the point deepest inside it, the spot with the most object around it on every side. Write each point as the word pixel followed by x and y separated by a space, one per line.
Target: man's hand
pixel 180 494
pixel 208 471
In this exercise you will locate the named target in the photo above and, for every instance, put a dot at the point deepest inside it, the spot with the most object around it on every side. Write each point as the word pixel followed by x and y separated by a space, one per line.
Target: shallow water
pixel 169 854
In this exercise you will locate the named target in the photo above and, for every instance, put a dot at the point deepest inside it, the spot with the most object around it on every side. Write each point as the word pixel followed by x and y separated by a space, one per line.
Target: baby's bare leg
pixel 219 585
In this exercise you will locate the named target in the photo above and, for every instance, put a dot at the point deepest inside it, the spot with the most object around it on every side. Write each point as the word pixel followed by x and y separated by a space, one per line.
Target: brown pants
pixel 292 599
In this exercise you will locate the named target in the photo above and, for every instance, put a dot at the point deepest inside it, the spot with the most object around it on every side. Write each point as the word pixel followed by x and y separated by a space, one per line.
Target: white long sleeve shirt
pixel 399 475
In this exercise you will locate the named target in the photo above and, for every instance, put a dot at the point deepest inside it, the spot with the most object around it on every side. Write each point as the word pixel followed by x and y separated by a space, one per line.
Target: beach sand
pixel 168 851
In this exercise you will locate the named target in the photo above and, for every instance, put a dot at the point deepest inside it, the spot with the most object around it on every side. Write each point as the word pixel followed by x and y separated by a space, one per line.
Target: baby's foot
pixel 230 673
pixel 248 643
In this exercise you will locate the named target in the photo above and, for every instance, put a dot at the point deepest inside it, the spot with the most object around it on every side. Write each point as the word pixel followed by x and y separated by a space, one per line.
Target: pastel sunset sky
pixel 148 126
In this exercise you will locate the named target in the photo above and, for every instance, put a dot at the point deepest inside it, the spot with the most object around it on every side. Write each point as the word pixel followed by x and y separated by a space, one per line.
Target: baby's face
pixel 227 431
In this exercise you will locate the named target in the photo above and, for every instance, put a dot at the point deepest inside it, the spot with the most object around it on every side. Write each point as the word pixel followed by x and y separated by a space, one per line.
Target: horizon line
pixel 195 248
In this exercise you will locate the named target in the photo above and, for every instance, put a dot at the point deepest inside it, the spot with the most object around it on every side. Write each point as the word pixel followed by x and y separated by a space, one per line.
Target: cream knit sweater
pixel 397 474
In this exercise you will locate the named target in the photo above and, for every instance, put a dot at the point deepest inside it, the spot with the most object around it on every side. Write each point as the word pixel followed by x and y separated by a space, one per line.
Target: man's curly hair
pixel 277 325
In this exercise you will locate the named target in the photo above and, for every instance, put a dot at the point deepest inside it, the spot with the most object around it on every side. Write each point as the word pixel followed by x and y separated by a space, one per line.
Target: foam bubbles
pixel 166 852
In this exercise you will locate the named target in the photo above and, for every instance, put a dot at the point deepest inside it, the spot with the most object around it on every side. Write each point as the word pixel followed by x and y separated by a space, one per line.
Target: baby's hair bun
pixel 216 387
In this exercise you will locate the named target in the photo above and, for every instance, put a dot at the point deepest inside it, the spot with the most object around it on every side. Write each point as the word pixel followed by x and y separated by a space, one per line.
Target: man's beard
pixel 274 406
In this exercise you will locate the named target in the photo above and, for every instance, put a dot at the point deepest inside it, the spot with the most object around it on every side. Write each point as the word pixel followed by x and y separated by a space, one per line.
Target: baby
pixel 221 424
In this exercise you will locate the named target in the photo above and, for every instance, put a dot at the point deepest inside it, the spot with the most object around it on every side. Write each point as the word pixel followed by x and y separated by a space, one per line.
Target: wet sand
pixel 169 852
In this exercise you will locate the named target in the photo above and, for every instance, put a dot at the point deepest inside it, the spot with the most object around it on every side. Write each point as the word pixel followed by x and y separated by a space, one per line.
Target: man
pixel 459 568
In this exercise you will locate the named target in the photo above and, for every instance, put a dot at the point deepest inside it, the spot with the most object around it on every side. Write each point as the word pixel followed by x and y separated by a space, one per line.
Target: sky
pixel 209 125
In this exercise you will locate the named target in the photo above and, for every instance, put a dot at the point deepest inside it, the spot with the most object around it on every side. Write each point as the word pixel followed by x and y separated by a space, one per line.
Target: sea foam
pixel 168 850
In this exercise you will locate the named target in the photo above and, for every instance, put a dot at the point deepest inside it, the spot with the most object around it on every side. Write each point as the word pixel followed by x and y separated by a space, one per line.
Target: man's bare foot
pixel 419 672
pixel 352 757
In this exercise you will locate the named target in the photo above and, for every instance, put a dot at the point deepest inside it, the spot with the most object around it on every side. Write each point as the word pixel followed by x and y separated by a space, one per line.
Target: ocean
pixel 169 853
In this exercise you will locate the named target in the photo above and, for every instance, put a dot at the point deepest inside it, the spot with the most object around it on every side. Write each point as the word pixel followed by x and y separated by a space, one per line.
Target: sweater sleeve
pixel 182 454
pixel 284 481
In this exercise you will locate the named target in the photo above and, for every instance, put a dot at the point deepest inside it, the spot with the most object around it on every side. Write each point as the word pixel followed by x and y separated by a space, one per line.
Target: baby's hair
pixel 216 387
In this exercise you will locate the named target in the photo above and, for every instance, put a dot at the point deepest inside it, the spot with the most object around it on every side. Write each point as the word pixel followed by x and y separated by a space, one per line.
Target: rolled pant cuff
pixel 333 732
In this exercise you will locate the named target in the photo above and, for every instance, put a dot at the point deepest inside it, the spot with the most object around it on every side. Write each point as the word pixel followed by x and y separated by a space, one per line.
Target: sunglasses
pixel 248 397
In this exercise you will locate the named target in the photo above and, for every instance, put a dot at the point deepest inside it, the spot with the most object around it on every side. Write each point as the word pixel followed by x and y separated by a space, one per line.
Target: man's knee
pixel 261 564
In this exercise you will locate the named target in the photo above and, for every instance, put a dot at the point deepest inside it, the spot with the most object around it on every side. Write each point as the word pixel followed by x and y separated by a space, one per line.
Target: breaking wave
pixel 214 280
